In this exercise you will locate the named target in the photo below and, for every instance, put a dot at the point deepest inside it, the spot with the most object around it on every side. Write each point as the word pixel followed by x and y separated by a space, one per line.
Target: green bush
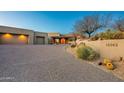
pixel 96 37
pixel 71 39
pixel 73 45
pixel 118 35
pixel 87 53
pixel 109 35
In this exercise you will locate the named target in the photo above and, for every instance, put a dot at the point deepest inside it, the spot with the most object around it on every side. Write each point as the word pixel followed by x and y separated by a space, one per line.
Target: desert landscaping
pixel 91 51
pixel 102 49
pixel 105 52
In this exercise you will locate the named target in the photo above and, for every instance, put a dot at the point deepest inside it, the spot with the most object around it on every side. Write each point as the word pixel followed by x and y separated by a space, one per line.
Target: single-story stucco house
pixel 12 35
pixel 62 39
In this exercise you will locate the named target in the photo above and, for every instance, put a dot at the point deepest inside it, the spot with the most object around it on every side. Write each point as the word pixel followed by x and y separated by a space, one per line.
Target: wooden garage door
pixel 13 39
pixel 40 40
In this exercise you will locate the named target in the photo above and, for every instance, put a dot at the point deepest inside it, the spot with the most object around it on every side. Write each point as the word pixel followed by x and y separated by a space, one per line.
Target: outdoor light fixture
pixel 7 36
pixel 22 37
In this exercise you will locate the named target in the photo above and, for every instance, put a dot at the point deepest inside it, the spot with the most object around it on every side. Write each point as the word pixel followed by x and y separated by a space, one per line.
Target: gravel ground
pixel 46 63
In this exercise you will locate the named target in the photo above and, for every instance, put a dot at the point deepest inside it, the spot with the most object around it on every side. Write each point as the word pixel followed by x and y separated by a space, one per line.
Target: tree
pixel 90 24
pixel 119 24
pixel 74 34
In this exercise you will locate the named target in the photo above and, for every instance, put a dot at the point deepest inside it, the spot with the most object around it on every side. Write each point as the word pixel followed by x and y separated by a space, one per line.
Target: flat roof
pixel 16 28
pixel 23 29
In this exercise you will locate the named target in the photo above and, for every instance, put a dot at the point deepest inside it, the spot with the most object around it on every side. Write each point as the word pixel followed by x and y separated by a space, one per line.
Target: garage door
pixel 13 39
pixel 40 40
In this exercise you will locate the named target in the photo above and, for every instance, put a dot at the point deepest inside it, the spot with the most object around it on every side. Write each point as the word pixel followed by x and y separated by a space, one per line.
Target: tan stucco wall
pixel 53 34
pixel 13 30
pixel 113 49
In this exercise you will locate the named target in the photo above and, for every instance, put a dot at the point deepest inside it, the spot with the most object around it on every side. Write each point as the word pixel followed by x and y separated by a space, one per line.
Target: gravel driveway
pixel 46 63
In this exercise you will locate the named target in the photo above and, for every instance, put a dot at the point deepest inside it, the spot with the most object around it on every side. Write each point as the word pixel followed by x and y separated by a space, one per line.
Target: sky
pixel 47 21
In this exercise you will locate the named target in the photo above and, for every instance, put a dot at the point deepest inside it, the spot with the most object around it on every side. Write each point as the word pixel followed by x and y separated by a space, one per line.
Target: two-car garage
pixel 11 35
pixel 6 38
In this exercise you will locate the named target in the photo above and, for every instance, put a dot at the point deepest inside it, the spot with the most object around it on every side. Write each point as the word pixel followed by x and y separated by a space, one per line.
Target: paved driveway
pixel 46 63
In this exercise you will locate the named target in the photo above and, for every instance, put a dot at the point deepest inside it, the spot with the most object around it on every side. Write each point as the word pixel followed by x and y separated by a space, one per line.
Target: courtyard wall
pixel 113 49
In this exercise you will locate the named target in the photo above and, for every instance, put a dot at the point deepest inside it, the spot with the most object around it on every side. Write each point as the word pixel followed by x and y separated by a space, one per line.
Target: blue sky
pixel 46 21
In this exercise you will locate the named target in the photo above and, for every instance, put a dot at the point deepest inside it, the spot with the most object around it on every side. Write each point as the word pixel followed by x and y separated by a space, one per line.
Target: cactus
pixel 109 66
pixel 106 61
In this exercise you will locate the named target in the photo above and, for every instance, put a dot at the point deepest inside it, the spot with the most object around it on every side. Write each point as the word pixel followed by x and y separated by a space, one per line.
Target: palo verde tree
pixel 90 24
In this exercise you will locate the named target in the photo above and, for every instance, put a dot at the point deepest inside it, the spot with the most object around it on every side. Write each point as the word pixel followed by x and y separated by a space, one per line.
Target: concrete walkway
pixel 46 63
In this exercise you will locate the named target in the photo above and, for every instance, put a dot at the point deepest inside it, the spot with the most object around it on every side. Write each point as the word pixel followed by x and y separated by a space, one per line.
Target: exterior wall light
pixel 7 36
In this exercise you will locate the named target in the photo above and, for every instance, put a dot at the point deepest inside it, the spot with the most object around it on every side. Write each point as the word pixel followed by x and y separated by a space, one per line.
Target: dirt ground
pixel 119 66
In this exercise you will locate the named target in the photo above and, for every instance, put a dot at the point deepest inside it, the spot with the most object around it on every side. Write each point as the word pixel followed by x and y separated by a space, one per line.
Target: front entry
pixel 63 41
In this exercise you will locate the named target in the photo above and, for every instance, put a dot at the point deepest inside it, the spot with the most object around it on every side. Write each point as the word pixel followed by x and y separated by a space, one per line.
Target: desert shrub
pixel 71 39
pixel 118 35
pixel 96 37
pixel 93 55
pixel 87 53
pixel 81 44
pixel 73 45
pixel 109 35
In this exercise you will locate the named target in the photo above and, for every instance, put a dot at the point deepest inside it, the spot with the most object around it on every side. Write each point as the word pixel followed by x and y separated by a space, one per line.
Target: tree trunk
pixel 89 35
